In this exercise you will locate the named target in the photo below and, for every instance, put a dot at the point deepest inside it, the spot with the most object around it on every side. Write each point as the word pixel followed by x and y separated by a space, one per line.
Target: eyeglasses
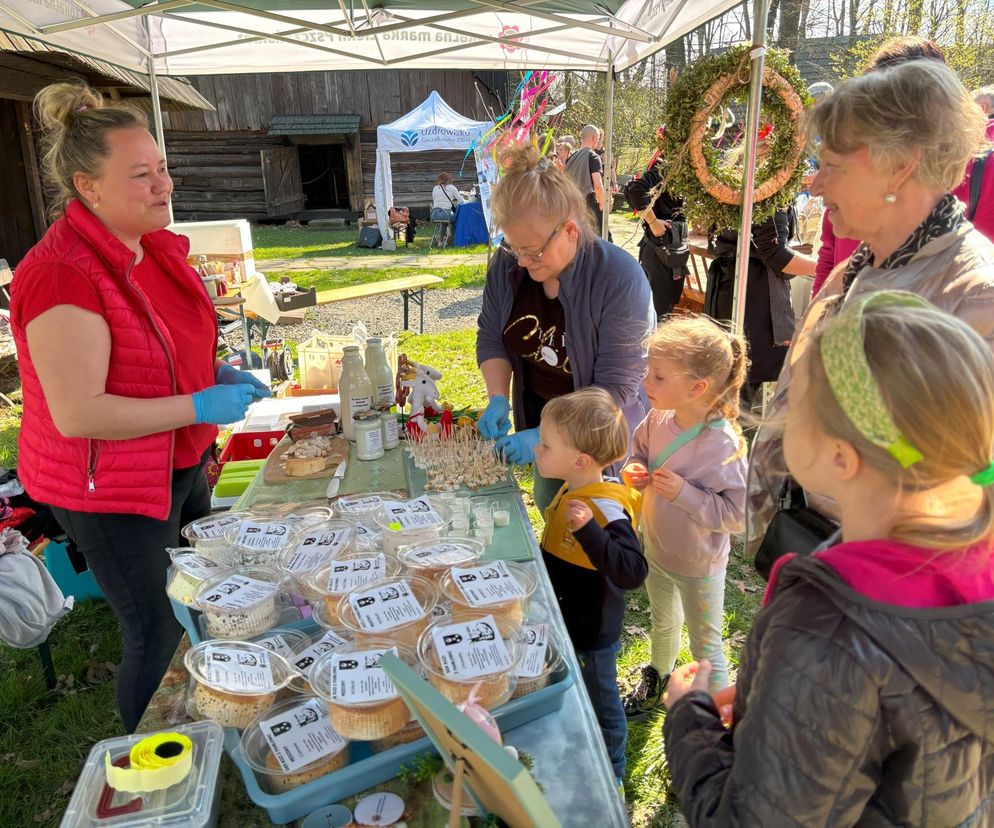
pixel 533 257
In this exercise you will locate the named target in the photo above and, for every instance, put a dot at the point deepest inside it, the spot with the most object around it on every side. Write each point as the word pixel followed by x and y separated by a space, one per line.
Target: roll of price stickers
pixel 345 576
pixel 157 762
pixel 305 659
pixel 357 678
pixel 315 548
pixel 238 592
pixel 489 584
pixel 301 735
pixel 414 514
pixel 386 606
pixel 471 649
pixel 228 668
pixel 536 641
pixel 262 536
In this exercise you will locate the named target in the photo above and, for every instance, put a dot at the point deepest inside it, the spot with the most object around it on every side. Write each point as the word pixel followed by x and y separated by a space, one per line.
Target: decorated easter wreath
pixel 695 169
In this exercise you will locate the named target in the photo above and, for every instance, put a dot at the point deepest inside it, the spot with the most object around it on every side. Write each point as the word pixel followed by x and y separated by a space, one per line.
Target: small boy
pixel 589 546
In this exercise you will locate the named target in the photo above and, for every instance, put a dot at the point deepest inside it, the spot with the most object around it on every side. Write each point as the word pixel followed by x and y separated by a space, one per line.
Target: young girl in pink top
pixel 689 461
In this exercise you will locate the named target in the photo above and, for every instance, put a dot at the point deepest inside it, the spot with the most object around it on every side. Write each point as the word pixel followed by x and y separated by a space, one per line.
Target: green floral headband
pixel 843 354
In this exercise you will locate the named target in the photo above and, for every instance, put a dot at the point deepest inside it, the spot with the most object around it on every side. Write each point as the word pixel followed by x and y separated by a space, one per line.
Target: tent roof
pixel 434 111
pixel 206 37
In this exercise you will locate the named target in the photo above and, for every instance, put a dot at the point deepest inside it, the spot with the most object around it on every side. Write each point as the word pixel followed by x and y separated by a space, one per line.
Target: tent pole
pixel 160 136
pixel 749 162
pixel 608 141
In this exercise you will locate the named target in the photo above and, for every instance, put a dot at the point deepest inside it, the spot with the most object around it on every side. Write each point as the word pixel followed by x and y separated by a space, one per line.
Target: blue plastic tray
pixel 367 769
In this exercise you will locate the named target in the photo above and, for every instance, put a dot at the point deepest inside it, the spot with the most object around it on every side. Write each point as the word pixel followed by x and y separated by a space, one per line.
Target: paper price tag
pixel 359 505
pixel 357 678
pixel 232 669
pixel 365 533
pixel 471 649
pixel 536 641
pixel 414 514
pixel 440 554
pixel 214 528
pixel 344 576
pixel 305 659
pixel 315 548
pixel 239 592
pixel 198 566
pixel 301 735
pixel 262 536
pixel 386 606
pixel 492 583
pixel 276 643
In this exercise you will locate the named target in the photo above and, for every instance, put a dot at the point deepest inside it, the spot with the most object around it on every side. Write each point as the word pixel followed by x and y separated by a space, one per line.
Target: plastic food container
pixel 207 536
pixel 495 686
pixel 300 724
pixel 410 732
pixel 514 609
pixel 261 540
pixel 283 640
pixel 231 686
pixel 362 506
pixel 362 720
pixel 368 537
pixel 191 803
pixel 241 602
pixel 309 515
pixel 359 570
pixel 188 571
pixel 551 663
pixel 316 545
pixel 307 653
pixel 405 632
pixel 411 525
pixel 433 559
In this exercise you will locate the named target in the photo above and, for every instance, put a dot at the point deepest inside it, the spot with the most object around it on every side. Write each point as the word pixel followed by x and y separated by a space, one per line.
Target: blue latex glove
pixel 230 375
pixel 222 404
pixel 495 422
pixel 518 448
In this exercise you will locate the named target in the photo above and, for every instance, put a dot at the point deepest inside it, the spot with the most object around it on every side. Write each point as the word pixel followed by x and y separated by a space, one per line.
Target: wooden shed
pixel 26 67
pixel 303 145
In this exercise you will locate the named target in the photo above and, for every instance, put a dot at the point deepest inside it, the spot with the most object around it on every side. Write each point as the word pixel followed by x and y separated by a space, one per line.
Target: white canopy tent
pixel 211 37
pixel 433 125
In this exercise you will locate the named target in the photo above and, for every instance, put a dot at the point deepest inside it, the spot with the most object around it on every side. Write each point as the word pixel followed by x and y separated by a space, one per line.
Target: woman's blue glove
pixel 222 404
pixel 518 448
pixel 230 375
pixel 494 422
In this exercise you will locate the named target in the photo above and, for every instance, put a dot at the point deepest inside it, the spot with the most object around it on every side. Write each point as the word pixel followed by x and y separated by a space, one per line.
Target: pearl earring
pixel 890 198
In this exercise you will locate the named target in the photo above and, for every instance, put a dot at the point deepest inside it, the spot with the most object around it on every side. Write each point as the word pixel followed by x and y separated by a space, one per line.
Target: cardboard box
pixel 229 242
pixel 307 298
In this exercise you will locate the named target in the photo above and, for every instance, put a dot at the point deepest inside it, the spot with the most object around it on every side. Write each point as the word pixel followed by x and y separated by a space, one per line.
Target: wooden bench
pixel 412 288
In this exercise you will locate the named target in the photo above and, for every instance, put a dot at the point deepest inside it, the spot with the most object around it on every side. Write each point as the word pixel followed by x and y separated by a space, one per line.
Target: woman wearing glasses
pixel 562 309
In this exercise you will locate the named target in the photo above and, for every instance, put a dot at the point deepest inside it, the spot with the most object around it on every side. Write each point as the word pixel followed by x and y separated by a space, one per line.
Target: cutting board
pixel 275 469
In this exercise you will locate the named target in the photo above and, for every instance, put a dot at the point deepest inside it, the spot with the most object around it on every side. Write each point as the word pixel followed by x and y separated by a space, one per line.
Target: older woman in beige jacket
pixel 892 145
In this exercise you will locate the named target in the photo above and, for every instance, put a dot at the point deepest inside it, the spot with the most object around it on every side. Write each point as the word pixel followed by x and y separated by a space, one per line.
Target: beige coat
pixel 955 272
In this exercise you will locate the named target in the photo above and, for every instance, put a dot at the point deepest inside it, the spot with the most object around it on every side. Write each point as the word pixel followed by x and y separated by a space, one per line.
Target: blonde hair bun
pixel 58 105
pixel 517 159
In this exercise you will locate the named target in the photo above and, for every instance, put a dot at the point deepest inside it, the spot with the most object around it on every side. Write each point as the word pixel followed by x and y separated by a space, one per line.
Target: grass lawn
pixel 291 242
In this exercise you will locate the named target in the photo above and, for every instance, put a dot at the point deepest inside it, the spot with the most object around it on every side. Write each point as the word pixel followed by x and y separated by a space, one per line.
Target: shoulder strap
pixel 976 180
pixel 681 440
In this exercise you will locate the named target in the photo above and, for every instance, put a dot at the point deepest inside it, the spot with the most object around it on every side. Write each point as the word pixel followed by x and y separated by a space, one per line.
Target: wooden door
pixel 281 179
pixel 18 225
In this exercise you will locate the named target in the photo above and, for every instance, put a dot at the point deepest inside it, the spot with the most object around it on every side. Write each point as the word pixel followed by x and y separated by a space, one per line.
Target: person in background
pixel 836 249
pixel 586 169
pixel 562 310
pixel 984 98
pixel 564 149
pixel 589 545
pixel 863 692
pixel 116 341
pixel 445 198
pixel 689 462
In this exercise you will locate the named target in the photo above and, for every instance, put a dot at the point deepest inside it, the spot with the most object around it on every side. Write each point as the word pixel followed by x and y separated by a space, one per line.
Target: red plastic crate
pixel 250 445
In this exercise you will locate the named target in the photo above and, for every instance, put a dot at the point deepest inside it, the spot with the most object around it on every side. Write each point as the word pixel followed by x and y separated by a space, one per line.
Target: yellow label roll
pixel 157 762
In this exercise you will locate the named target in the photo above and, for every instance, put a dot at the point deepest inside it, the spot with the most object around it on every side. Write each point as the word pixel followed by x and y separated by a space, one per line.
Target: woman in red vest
pixel 116 341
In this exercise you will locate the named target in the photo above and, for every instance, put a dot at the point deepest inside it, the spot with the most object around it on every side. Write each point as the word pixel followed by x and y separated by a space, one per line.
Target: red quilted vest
pixel 106 476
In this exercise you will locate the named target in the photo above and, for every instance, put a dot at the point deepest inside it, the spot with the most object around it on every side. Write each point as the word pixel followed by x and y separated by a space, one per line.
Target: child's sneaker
pixel 647 696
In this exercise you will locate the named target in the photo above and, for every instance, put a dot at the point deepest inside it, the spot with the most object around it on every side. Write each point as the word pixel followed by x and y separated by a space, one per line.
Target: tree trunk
pixel 915 11
pixel 747 19
pixel 960 22
pixel 676 53
pixel 771 18
pixel 790 18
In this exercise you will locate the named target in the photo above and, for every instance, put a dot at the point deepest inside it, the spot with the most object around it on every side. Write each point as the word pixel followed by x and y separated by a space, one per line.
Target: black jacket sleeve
pixel 769 241
pixel 615 551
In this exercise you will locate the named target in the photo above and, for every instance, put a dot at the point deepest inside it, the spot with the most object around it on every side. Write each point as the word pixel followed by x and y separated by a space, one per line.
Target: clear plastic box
pixel 192 803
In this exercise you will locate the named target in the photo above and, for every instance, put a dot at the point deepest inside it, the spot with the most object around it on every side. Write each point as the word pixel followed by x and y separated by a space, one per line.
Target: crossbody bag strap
pixel 682 439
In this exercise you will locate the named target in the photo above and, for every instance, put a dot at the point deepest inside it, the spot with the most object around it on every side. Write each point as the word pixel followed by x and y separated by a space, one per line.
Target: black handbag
pixel 796 528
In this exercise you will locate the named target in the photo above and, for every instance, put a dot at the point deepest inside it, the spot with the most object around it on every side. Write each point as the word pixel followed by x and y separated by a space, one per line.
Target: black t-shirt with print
pixel 536 332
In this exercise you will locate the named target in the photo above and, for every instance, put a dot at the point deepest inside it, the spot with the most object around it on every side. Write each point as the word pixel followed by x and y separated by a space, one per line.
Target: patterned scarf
pixel 945 218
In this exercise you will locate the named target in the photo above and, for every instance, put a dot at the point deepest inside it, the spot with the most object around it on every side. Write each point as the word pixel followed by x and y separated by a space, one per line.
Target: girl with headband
pixel 863 695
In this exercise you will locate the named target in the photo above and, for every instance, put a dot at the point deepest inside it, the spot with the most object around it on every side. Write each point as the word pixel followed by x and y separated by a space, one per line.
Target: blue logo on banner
pixel 409 138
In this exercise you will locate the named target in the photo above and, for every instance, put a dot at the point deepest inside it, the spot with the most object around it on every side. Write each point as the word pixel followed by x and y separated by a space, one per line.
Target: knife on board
pixel 336 481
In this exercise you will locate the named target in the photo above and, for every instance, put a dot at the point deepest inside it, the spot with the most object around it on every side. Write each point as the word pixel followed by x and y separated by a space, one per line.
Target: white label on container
pixel 344 576
pixel 442 608
pixel 198 566
pixel 316 548
pixel 213 528
pixel 471 649
pixel 365 533
pixel 391 431
pixel 358 677
pixel 359 404
pixel 277 643
pixel 301 735
pixel 229 668
pixel 440 554
pixel 491 583
pixel 386 606
pixel 384 395
pixel 414 514
pixel 536 642
pixel 370 439
pixel 269 536
pixel 238 592
pixel 305 659
pixel 357 505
